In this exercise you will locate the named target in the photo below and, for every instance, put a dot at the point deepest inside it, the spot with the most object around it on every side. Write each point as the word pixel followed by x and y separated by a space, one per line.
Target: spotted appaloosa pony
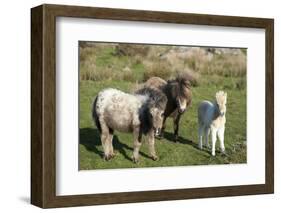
pixel 179 95
pixel 211 118
pixel 140 114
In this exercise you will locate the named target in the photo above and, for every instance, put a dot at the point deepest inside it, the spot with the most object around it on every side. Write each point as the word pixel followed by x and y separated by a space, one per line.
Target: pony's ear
pixel 217 96
pixel 225 97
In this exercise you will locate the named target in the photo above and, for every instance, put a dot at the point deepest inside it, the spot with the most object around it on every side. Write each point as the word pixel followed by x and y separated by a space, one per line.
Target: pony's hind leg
pixel 105 137
pixel 207 133
pixel 200 136
pixel 110 141
pixel 105 146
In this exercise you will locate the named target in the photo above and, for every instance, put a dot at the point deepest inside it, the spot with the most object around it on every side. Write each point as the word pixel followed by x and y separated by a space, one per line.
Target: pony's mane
pixel 156 98
pixel 181 85
pixel 221 97
pixel 145 118
pixel 184 80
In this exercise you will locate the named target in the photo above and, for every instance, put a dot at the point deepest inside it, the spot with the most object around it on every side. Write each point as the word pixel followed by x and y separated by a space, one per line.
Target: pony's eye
pixel 162 115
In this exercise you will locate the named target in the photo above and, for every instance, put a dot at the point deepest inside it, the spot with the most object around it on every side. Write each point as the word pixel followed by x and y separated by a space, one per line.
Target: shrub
pixel 157 68
pixel 241 83
pixel 131 50
pixel 128 75
pixel 226 65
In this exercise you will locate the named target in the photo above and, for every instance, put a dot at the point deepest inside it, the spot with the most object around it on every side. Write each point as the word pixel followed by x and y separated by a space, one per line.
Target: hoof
pixel 107 157
pixel 113 155
pixel 135 160
pixel 155 158
pixel 223 152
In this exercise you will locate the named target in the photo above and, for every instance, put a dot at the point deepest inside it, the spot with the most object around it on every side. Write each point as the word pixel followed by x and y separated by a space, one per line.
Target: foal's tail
pixel 95 116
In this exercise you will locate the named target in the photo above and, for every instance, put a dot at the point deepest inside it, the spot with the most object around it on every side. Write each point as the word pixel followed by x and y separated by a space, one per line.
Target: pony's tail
pixel 95 115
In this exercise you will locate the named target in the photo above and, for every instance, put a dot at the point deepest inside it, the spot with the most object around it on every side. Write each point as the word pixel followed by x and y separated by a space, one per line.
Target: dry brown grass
pixel 140 62
pixel 157 68
pixel 131 50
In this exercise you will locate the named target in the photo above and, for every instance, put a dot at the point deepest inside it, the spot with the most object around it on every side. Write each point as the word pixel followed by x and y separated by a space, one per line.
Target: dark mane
pixel 145 118
pixel 178 95
pixel 156 97
pixel 180 86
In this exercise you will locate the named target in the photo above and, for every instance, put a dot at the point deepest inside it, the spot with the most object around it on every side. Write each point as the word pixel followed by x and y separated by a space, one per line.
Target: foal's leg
pixel 221 139
pixel 151 145
pixel 200 135
pixel 137 144
pixel 176 126
pixel 214 139
pixel 207 133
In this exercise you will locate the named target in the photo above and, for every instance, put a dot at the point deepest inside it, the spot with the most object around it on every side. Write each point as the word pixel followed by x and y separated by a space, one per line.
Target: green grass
pixel 183 153
pixel 101 67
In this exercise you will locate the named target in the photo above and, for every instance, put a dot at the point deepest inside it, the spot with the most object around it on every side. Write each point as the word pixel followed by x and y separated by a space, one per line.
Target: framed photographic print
pixel 136 106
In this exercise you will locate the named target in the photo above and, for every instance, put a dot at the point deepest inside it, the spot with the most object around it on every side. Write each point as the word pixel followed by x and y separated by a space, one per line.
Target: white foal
pixel 211 118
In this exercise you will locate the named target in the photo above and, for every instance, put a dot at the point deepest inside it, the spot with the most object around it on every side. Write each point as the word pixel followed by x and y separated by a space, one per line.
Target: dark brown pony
pixel 178 92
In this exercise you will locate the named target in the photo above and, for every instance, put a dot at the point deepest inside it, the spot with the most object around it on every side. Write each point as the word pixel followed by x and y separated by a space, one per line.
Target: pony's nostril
pixel 157 132
pixel 181 110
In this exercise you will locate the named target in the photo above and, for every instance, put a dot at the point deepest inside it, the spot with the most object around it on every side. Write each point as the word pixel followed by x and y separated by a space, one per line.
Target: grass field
pixel 183 153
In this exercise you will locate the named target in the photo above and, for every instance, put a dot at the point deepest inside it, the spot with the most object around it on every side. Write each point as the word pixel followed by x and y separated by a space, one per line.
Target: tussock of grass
pixel 158 68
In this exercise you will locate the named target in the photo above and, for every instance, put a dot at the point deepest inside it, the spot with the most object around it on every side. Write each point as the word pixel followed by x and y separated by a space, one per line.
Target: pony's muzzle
pixel 181 110
pixel 157 132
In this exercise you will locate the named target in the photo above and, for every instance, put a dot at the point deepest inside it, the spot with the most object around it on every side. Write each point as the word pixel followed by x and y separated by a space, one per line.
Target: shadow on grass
pixel 170 137
pixel 90 139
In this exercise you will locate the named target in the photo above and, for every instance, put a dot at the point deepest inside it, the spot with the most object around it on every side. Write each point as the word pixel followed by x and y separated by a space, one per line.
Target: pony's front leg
pixel 221 139
pixel 176 127
pixel 151 145
pixel 137 144
pixel 214 139
pixel 161 135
